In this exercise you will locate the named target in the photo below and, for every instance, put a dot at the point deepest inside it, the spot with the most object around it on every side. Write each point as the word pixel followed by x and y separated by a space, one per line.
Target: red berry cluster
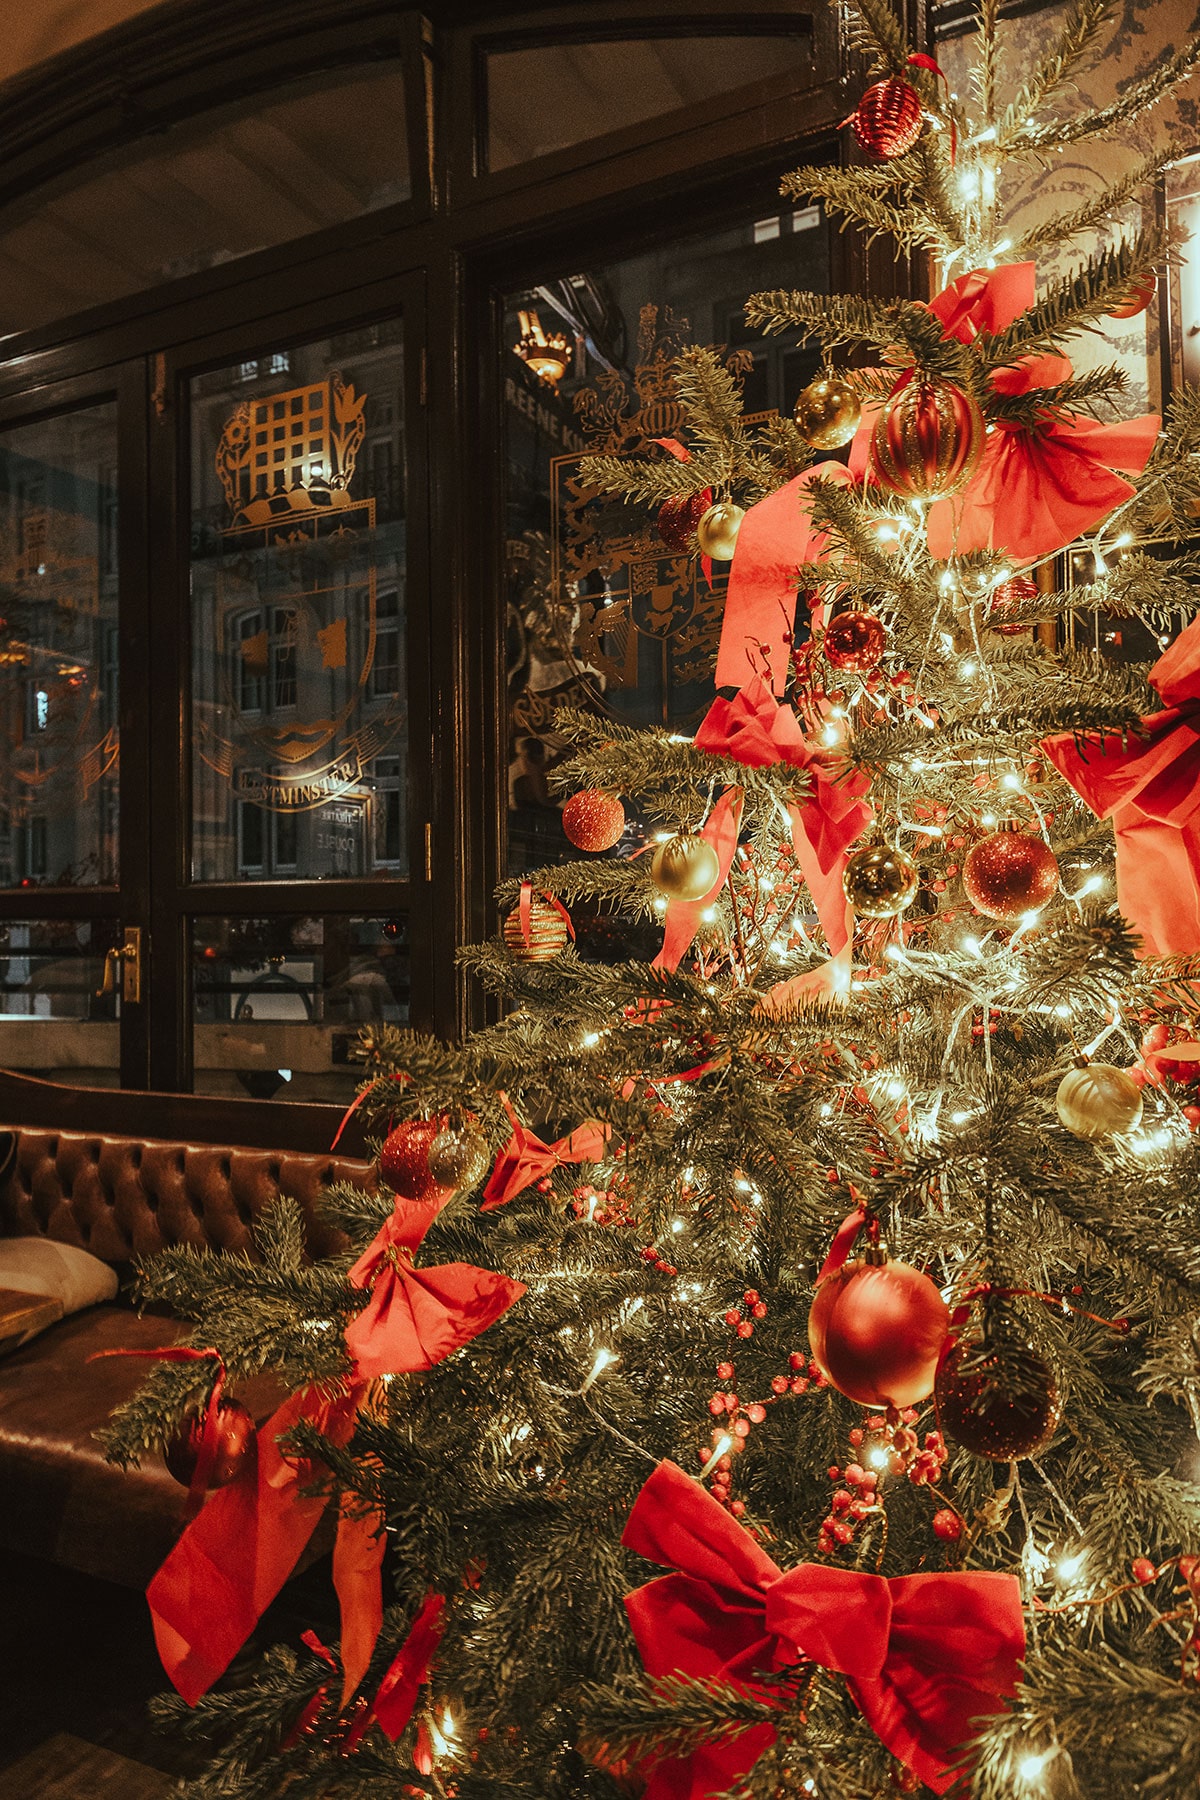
pixel 599 1206
pixel 652 1255
pixel 756 1308
pixel 850 1505
pixel 738 1418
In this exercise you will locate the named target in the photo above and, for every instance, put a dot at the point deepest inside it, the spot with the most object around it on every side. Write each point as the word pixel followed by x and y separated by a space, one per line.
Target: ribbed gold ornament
pixel 547 932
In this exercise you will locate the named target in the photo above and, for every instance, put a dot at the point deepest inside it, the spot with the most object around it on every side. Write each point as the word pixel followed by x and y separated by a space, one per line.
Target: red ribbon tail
pixel 393 1705
pixel 843 1242
pixel 357 1564
pixel 350 1112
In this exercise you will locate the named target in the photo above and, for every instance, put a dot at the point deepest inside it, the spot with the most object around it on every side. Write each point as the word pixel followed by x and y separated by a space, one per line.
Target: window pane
pixel 298 614
pixel 238 178
pixel 279 1003
pixel 53 1022
pixel 600 614
pixel 553 95
pixel 58 651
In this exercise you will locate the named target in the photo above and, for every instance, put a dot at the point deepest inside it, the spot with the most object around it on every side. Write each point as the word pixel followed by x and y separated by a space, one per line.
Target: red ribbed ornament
pixel 887 120
pixel 1005 598
pixel 927 440
pixel 854 641
pixel 593 820
pixel 678 519
pixel 876 1330
pixel 404 1160
pixel 1009 874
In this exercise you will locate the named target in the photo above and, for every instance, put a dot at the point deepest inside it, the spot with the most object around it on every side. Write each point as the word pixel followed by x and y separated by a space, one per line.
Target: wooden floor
pixel 68 1768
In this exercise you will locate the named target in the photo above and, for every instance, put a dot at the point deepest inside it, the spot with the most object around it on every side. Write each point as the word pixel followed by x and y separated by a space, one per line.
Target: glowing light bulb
pixel 879 1458
pixel 959 1118
pixel 1030 1767
pixel 590 1039
pixel 604 1357
pixel 1011 781
pixel 678 1225
pixel 1069 1567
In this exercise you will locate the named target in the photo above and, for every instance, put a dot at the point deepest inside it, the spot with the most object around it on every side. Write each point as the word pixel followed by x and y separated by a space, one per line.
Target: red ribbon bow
pixel 1150 788
pixel 923 1655
pixel 235 1556
pixel 1036 488
pixel 753 729
pixel 526 1159
pixel 418 1317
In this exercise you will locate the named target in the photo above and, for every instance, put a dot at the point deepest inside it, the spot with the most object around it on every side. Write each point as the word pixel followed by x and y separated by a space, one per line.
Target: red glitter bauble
pixel 854 641
pixel 234 1442
pixel 927 440
pixel 998 1409
pixel 678 519
pixel 1143 295
pixel 1008 874
pixel 404 1160
pixel 1006 596
pixel 876 1331
pixel 887 120
pixel 593 820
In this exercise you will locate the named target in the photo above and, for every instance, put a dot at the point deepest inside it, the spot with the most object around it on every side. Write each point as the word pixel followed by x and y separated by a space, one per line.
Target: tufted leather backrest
pixel 122 1197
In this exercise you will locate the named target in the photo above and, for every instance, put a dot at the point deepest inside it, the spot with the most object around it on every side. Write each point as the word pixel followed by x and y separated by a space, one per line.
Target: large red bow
pixel 1039 487
pixel 923 1655
pixel 526 1159
pixel 1149 786
pixel 775 536
pixel 418 1317
pixel 753 729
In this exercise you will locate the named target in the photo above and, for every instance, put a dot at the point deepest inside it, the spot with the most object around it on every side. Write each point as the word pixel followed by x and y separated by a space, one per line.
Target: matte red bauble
pixel 404 1160
pixel 997 1407
pixel 1006 597
pixel 234 1441
pixel 678 519
pixel 887 120
pixel 854 641
pixel 1143 295
pixel 1009 874
pixel 927 440
pixel 593 820
pixel 876 1330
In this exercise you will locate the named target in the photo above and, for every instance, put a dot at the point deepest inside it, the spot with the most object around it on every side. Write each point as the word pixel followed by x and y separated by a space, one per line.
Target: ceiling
pixel 32 33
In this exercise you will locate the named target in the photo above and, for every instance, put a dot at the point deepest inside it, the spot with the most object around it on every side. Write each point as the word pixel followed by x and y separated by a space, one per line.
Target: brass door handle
pixel 128 955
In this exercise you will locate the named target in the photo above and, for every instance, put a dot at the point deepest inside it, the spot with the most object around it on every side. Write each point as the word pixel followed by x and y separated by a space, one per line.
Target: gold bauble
pixel 685 867
pixel 717 532
pixel 827 413
pixel 458 1157
pixel 880 881
pixel 1098 1101
pixel 547 932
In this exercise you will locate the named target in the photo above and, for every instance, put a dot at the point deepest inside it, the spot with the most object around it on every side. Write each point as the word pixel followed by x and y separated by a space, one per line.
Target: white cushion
pixel 38 1265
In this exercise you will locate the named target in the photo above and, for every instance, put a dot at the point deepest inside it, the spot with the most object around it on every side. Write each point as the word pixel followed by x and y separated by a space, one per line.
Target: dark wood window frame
pixel 445 256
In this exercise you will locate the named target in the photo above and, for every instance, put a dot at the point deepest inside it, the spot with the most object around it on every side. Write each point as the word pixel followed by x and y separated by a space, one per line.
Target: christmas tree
pixel 775 1369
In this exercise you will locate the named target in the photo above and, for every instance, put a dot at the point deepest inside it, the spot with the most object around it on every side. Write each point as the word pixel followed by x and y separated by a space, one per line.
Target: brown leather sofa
pixel 120 1197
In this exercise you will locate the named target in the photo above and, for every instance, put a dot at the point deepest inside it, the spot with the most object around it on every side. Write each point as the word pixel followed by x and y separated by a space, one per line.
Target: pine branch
pixel 1061 228
pixel 1079 35
pixel 1078 303
pixel 1137 99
